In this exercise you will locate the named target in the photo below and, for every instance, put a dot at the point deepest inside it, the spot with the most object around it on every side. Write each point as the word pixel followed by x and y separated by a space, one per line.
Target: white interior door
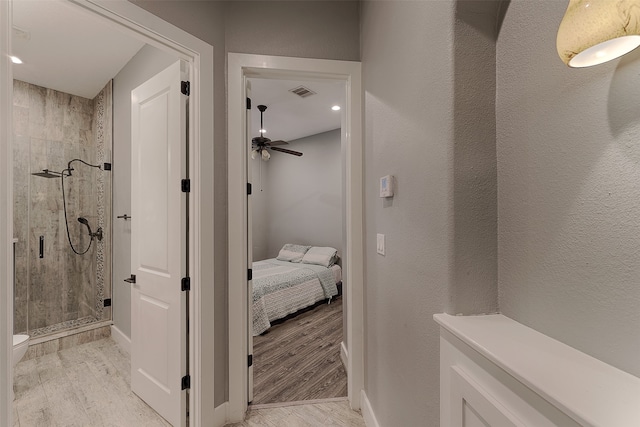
pixel 158 243
pixel 249 244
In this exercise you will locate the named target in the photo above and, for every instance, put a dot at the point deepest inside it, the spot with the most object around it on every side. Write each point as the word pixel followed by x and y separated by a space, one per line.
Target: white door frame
pixel 241 67
pixel 158 33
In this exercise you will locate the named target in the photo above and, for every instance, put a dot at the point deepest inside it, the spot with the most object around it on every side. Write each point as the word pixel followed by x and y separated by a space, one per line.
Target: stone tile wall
pixel 50 129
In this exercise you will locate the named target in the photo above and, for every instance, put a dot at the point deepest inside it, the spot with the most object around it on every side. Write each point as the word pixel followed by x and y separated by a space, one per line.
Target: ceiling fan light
pixel 336 108
pixel 254 154
pixel 596 31
pixel 265 155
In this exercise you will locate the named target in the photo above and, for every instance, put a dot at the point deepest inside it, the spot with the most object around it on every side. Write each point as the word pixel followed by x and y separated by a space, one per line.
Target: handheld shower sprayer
pixel 83 220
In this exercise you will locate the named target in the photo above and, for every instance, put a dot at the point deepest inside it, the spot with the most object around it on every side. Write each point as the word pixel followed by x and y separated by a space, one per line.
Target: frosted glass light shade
pixel 597 31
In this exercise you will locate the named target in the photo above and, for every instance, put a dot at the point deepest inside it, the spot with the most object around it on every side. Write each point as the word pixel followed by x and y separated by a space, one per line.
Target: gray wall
pixel 145 64
pixel 428 69
pixel 307 29
pixel 299 198
pixel 569 200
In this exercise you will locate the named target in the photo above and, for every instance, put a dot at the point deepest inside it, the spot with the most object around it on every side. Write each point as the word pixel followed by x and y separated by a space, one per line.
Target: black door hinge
pixel 250 360
pixel 186 382
pixel 186 283
pixel 106 302
pixel 185 88
pixel 249 274
pixel 248 103
pixel 248 188
pixel 186 185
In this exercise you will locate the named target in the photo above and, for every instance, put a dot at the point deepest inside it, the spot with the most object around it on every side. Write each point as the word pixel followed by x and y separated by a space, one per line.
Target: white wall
pixel 299 199
pixel 145 64
pixel 569 200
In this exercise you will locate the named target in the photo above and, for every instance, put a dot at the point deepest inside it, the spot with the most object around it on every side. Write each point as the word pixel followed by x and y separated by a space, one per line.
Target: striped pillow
pixel 292 253
pixel 324 256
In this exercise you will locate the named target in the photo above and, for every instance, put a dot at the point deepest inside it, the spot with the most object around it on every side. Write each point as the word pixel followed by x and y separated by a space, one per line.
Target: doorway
pixel 240 68
pixel 153 31
pixel 296 172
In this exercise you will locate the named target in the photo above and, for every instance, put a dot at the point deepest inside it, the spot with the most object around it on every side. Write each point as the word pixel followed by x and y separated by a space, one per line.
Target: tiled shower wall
pixel 50 129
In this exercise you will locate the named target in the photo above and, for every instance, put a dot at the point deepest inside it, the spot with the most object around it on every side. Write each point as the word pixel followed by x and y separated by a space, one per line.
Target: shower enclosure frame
pixel 160 34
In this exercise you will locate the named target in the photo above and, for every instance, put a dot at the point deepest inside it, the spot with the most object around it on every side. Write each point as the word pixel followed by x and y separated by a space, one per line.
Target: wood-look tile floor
pixel 299 359
pixel 321 414
pixel 87 385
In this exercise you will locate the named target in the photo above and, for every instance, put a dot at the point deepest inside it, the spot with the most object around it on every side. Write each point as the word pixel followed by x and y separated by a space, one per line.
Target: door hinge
pixel 186 382
pixel 186 283
pixel 248 103
pixel 250 360
pixel 186 185
pixel 185 88
pixel 249 274
pixel 248 188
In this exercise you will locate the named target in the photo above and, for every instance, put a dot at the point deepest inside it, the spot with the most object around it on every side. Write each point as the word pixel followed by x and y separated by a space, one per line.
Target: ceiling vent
pixel 302 91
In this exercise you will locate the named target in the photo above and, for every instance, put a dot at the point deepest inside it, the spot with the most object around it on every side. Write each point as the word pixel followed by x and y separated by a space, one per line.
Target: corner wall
pixel 429 73
pixel 569 199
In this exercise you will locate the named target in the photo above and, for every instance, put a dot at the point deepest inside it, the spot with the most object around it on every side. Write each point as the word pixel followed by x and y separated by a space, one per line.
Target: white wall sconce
pixel 597 31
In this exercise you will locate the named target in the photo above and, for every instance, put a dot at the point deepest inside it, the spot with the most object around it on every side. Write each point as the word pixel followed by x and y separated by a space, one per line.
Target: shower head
pixel 83 220
pixel 46 173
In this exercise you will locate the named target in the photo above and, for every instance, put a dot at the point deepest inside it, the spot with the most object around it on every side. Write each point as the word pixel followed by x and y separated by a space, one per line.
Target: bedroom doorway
pixel 296 169
pixel 242 68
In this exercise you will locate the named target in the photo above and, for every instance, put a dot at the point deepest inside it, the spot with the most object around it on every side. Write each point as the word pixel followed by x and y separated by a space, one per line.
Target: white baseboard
pixel 367 412
pixel 121 339
pixel 344 355
pixel 220 415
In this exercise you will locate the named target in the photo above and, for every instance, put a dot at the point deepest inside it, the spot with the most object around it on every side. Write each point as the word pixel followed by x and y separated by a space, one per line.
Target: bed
pixel 282 287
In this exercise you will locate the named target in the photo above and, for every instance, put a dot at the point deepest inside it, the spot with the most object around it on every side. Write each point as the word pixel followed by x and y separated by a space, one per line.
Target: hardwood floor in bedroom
pixel 299 359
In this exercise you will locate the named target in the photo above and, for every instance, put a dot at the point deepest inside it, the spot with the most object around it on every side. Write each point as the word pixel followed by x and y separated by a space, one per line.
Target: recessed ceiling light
pixel 336 108
pixel 16 60
pixel 263 131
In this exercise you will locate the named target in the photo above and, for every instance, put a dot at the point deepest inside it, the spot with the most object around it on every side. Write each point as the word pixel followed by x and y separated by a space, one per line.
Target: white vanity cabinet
pixel 497 372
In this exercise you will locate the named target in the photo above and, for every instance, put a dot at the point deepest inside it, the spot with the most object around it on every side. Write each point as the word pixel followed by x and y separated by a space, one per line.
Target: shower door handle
pixel 131 279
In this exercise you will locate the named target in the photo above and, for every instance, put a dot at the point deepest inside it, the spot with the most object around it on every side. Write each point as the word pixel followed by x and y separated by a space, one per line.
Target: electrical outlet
pixel 380 244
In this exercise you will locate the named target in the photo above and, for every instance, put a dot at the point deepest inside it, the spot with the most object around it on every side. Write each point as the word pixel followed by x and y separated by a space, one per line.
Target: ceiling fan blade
pixel 284 150
pixel 278 142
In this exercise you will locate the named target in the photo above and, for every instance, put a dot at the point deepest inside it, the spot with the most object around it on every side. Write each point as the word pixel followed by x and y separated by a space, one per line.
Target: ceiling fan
pixel 260 144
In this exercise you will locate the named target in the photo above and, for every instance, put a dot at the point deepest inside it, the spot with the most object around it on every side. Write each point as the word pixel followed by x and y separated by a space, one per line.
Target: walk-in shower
pixel 62 224
pixel 46 173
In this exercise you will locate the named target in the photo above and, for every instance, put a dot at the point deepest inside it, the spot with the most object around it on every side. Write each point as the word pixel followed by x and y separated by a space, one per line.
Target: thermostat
pixel 386 186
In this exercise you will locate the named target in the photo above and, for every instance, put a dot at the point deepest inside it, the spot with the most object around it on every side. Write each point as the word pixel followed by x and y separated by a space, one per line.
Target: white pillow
pixel 318 255
pixel 292 253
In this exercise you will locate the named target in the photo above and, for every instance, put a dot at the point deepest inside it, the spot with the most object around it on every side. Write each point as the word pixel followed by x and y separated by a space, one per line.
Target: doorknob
pixel 131 279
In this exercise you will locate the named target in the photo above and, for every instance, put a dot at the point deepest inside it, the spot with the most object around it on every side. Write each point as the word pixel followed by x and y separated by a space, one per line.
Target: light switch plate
pixel 380 244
